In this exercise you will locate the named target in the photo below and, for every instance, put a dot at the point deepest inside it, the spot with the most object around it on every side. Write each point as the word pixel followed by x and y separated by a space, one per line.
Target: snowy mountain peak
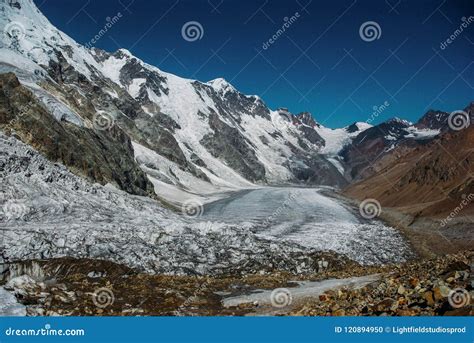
pixel 220 85
pixel 397 120
pixel 125 53
pixel 29 37
pixel 358 127
pixel 306 118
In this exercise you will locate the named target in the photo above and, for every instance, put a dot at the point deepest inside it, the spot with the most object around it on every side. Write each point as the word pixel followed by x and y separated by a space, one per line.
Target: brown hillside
pixel 427 181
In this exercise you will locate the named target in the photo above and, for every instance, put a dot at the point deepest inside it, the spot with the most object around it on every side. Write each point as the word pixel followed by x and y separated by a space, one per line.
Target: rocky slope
pixel 442 286
pixel 372 145
pixel 104 158
pixel 429 180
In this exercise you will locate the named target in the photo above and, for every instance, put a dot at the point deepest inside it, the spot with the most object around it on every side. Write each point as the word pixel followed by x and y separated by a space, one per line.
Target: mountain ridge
pixel 194 138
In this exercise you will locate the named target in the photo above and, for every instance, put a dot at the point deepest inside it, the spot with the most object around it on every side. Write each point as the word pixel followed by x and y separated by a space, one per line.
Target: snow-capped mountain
pixel 377 141
pixel 189 137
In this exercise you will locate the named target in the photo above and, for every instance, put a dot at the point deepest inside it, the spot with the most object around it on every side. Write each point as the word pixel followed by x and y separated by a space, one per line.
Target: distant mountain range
pixel 425 180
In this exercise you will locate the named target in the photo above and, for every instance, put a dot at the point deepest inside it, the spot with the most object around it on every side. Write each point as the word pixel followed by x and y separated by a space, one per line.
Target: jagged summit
pixel 125 52
pixel 221 85
pixel 397 120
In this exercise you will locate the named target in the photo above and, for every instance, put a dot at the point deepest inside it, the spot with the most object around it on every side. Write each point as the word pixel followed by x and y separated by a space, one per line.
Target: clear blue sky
pixel 320 64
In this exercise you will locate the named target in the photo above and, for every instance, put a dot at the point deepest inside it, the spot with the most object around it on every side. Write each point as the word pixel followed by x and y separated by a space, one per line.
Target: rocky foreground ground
pixel 441 286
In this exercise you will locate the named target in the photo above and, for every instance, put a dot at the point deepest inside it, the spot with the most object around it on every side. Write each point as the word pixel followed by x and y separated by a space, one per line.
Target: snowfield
pixel 48 212
pixel 309 218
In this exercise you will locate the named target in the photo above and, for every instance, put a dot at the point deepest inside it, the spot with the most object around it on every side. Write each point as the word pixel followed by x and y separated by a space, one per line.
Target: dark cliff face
pixel 370 144
pixel 229 145
pixel 436 120
pixel 101 156
pixel 439 120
